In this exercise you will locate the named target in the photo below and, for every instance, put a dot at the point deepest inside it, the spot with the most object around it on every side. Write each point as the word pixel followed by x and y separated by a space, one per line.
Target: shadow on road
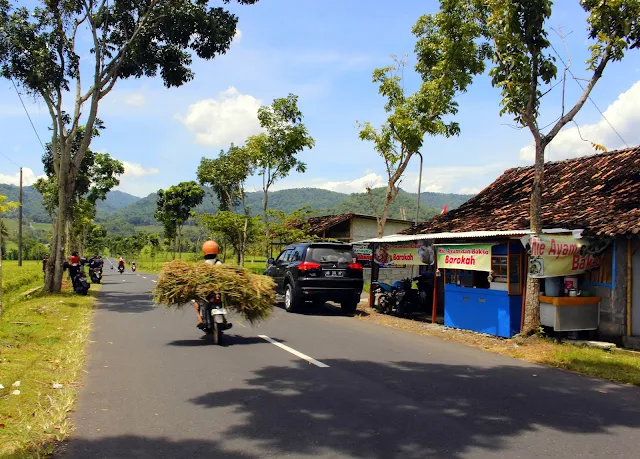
pixel 326 310
pixel 227 340
pixel 420 410
pixel 125 302
pixel 130 446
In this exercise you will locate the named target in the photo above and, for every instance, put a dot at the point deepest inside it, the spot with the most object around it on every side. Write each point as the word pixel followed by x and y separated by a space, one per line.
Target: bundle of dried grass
pixel 248 294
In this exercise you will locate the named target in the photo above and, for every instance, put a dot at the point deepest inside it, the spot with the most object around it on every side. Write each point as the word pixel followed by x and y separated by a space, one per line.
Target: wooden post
pixel 20 224
pixel 629 286
pixel 524 287
pixel 373 277
pixel 434 303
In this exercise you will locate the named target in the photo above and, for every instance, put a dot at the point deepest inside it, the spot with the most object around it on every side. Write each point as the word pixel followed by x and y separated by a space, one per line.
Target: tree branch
pixel 597 73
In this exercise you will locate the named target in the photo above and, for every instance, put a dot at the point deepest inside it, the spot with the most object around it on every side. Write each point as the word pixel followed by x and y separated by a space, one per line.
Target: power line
pixel 589 97
pixel 28 116
pixel 9 159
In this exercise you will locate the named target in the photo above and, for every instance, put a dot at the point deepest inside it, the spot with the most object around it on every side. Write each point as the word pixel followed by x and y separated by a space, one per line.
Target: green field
pixel 14 277
pixel 42 338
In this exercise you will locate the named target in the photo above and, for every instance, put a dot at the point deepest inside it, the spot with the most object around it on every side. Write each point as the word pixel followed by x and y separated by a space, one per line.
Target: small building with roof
pixel 594 198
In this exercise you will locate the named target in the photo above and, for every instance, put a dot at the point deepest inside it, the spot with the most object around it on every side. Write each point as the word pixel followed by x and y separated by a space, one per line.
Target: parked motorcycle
pixel 80 284
pixel 412 300
pixel 214 317
pixel 386 297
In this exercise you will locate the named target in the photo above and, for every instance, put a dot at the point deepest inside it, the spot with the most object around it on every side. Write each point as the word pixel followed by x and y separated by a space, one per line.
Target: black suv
pixel 317 272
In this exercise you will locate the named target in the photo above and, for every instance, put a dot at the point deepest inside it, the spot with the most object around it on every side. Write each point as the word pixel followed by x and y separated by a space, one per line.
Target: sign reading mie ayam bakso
pixel 555 255
pixel 472 257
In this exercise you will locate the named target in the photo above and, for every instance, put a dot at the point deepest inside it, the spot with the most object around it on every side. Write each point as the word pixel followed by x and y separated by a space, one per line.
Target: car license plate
pixel 334 273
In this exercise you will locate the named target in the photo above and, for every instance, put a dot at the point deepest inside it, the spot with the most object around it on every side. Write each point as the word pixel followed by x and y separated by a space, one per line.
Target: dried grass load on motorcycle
pixel 250 295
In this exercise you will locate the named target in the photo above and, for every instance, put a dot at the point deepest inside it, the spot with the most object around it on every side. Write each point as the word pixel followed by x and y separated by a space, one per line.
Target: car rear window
pixel 329 255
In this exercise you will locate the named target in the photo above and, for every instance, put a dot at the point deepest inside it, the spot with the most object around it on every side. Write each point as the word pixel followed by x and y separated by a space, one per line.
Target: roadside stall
pixel 483 286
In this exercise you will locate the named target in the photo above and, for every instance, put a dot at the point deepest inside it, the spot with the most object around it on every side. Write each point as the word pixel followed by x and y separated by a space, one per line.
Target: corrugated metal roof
pixel 462 235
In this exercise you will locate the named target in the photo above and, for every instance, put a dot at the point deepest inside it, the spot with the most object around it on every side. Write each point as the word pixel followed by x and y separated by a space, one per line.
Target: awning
pixel 464 235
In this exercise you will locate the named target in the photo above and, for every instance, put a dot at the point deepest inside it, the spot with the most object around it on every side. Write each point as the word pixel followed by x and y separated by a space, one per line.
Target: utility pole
pixel 20 224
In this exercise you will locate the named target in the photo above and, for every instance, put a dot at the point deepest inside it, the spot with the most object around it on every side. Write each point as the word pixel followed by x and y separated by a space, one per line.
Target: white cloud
pixel 358 185
pixel 135 99
pixel 472 190
pixel 623 114
pixel 232 117
pixel 135 170
pixel 454 179
pixel 238 36
pixel 28 177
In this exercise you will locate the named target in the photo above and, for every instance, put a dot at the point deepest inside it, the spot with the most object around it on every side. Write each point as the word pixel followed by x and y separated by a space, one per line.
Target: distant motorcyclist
pixel 210 251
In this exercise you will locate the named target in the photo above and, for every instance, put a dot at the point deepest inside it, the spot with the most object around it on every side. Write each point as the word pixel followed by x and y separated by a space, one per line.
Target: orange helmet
pixel 210 248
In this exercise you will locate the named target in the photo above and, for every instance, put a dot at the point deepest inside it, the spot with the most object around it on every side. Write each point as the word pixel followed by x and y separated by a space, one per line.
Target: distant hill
pixel 115 200
pixel 122 212
pixel 32 211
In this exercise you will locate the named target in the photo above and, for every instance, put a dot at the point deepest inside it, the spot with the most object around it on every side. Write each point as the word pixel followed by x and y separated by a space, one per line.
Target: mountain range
pixel 125 210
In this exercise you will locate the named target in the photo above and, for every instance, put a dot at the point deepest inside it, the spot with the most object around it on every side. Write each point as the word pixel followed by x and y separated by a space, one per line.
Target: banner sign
pixel 411 253
pixel 363 252
pixel 472 257
pixel 553 256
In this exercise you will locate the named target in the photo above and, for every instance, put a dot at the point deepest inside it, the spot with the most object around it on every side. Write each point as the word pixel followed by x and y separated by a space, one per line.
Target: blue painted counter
pixel 482 310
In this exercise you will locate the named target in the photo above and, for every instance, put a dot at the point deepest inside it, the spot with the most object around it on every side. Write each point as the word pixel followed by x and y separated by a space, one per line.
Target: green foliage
pixel 274 152
pixel 175 206
pixel 286 228
pixel 226 175
pixel 226 226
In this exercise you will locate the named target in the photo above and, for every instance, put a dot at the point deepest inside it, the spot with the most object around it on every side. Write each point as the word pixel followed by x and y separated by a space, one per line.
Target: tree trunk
pixel 388 199
pixel 180 242
pixel 267 232
pixel 532 301
pixel 55 266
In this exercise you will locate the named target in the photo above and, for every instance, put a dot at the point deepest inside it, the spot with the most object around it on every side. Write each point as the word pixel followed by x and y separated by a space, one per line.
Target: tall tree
pixel 4 206
pixel 275 151
pixel 516 33
pixel 97 175
pixel 40 49
pixel 174 208
pixel 425 112
pixel 226 175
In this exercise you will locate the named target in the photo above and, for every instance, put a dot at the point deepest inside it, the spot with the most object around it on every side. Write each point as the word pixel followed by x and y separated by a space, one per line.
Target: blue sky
pixel 325 51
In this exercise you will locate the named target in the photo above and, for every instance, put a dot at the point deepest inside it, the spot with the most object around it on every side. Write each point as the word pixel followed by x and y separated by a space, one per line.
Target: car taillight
pixel 307 265
pixel 356 266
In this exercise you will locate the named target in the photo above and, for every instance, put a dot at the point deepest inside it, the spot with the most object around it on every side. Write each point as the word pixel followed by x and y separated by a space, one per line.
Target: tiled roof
pixel 598 193
pixel 320 224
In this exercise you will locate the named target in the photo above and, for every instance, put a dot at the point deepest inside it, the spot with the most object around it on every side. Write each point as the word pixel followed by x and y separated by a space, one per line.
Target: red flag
pixel 444 210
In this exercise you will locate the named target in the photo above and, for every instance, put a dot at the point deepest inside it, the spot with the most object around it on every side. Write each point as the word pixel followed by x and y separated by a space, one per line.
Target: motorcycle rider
pixel 210 251
pixel 121 263
pixel 74 267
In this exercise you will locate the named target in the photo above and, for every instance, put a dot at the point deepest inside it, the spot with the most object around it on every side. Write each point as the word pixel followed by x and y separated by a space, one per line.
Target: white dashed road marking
pixel 294 352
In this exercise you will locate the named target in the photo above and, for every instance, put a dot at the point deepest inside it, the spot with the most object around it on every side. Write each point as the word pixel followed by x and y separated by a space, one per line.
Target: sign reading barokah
pixel 472 257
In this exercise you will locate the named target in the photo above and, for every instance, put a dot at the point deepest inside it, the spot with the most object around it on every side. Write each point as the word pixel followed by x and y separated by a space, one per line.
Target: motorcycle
pixel 80 284
pixel 133 267
pixel 95 274
pixel 120 269
pixel 386 296
pixel 214 317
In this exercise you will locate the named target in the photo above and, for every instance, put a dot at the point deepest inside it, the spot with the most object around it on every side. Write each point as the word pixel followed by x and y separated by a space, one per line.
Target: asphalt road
pixel 155 389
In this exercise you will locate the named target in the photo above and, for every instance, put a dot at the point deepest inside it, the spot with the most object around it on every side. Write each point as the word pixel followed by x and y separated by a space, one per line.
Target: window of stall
pixel 506 267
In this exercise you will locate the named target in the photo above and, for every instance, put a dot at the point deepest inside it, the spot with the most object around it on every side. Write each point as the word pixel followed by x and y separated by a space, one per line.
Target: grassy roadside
pixel 42 345
pixel 618 365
